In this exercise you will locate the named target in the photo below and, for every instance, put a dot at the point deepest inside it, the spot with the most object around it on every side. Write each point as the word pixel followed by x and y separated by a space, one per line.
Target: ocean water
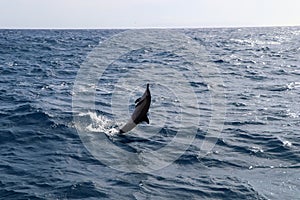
pixel 61 96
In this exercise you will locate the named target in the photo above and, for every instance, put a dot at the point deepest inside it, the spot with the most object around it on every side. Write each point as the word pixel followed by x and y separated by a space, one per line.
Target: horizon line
pixel 149 27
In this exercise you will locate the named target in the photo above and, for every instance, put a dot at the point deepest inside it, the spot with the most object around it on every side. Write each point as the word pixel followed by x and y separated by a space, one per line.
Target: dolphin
pixel 139 114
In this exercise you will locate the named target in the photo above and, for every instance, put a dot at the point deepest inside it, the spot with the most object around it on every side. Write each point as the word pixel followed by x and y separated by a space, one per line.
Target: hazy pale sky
pixel 147 13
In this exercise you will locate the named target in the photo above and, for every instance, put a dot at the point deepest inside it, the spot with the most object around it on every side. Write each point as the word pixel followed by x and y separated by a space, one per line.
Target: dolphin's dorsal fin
pixel 146 119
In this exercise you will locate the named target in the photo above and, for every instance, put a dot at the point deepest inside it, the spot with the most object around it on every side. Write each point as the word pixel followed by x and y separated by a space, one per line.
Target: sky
pixel 75 14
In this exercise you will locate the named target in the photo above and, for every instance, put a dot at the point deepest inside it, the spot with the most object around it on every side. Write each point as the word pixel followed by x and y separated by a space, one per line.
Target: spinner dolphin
pixel 139 114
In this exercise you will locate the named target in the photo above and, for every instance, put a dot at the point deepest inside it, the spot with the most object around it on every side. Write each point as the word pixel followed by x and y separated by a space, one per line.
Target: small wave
pixel 26 114
pixel 252 42
pixel 79 190
pixel 293 85
pixel 292 114
pixel 241 123
pixel 257 77
pixel 256 149
pixel 280 88
pixel 274 88
pixel 280 72
pixel 285 143
pixel 196 187
pixel 296 72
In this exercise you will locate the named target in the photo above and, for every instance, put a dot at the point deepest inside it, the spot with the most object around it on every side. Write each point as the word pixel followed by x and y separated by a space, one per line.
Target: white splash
pixel 286 143
pixel 101 124
pixel 293 85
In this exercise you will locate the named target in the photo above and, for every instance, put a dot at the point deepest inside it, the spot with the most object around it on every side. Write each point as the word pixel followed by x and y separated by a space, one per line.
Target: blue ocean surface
pixel 43 154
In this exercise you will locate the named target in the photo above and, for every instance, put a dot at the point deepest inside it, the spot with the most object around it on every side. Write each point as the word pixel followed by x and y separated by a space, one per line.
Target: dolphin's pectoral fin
pixel 146 119
pixel 139 102
pixel 136 101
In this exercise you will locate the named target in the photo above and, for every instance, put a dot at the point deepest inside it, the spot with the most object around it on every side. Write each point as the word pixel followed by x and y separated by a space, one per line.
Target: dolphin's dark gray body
pixel 139 115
